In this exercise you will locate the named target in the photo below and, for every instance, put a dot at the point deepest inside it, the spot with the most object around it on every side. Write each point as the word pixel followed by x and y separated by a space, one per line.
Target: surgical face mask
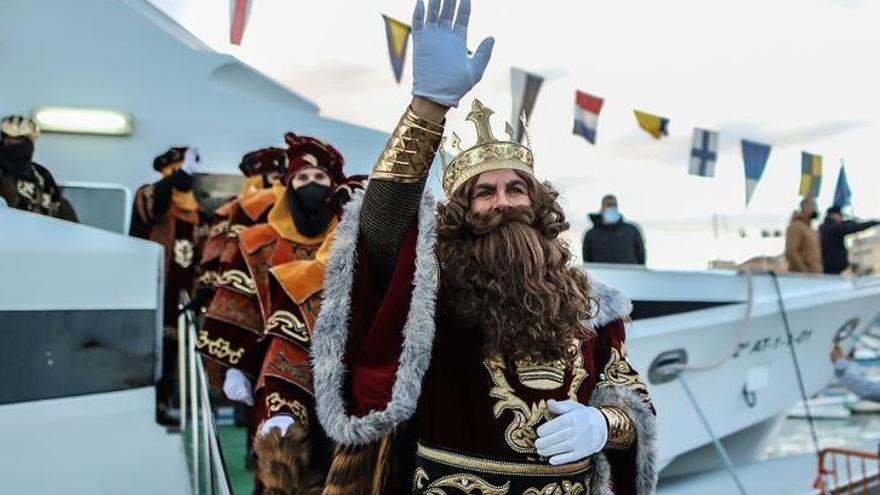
pixel 610 215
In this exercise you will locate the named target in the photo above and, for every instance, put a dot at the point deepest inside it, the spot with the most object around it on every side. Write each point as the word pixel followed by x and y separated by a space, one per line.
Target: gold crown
pixel 18 126
pixel 540 375
pixel 488 153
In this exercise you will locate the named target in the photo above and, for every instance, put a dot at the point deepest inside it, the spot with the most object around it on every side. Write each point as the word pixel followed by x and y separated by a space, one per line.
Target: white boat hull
pixel 818 307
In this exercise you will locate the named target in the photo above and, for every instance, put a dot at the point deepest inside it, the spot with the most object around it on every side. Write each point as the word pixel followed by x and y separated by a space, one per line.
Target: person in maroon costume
pixel 262 169
pixel 458 350
pixel 249 320
pixel 167 212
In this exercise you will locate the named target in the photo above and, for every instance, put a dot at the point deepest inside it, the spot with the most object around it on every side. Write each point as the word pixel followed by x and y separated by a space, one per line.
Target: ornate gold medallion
pixel 183 252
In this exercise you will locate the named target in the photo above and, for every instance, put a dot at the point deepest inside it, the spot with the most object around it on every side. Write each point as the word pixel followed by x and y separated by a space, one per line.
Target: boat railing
pixel 208 470
pixel 847 472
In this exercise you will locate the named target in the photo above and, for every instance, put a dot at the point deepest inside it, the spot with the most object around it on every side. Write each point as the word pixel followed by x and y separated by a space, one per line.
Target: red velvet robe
pixel 474 419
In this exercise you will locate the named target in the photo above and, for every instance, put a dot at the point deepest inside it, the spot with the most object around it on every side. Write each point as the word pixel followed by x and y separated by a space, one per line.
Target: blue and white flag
pixel 704 153
pixel 755 161
pixel 842 193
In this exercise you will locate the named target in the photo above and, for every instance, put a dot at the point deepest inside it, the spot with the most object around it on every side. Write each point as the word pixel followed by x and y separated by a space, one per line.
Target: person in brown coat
pixel 802 242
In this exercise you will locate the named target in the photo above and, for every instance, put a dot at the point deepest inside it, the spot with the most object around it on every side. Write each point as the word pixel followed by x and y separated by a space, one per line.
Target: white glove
pixel 442 70
pixel 281 422
pixel 237 387
pixel 576 433
pixel 191 161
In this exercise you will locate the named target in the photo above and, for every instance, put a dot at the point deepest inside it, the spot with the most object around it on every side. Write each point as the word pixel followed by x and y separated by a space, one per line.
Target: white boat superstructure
pixel 80 314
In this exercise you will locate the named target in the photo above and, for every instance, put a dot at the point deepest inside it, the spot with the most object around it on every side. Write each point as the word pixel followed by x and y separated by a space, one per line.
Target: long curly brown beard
pixel 508 273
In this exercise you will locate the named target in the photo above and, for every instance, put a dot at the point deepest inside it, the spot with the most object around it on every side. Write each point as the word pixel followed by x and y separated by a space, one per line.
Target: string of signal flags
pixel 704 148
pixel 587 108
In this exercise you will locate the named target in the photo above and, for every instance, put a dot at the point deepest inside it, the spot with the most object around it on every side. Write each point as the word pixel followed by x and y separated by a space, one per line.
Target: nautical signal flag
pixel 397 34
pixel 654 125
pixel 586 115
pixel 811 174
pixel 704 153
pixel 842 193
pixel 755 161
pixel 240 12
pixel 524 88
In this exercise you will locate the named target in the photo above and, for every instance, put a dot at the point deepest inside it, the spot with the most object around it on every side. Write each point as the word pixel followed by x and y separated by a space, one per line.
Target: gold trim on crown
pixel 488 153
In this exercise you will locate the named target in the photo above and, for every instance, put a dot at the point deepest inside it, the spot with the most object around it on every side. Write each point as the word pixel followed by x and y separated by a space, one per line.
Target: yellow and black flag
pixel 811 174
pixel 654 125
pixel 397 34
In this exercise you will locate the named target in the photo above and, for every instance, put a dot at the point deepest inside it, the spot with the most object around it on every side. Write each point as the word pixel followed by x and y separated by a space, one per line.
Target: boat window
pixel 55 354
pixel 106 206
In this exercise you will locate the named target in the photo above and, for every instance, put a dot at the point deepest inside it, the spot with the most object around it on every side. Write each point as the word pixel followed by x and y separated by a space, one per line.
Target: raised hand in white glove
pixel 442 70
pixel 280 422
pixel 576 433
pixel 191 161
pixel 237 387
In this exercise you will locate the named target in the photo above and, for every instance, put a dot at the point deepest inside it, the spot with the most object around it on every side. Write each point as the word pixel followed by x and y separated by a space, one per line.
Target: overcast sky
pixel 796 74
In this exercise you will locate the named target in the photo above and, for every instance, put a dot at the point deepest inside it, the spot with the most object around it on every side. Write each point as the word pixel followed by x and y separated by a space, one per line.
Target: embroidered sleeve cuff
pixel 279 405
pixel 410 150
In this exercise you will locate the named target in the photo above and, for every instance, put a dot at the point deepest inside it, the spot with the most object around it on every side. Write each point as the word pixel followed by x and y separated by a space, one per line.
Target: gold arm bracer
pixel 410 150
pixel 621 430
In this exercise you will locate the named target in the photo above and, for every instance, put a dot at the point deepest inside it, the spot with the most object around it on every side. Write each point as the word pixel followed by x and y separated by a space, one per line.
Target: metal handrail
pixel 195 408
pixel 830 480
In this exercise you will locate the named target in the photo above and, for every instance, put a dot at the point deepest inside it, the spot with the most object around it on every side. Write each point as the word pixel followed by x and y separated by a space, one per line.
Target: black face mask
pixel 15 158
pixel 308 206
pixel 182 181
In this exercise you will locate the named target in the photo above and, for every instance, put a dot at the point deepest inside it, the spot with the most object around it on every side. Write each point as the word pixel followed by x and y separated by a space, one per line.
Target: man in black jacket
pixel 611 239
pixel 832 232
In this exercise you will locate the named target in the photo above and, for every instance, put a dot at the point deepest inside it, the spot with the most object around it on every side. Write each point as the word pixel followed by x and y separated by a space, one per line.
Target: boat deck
pixel 782 476
pixel 234 444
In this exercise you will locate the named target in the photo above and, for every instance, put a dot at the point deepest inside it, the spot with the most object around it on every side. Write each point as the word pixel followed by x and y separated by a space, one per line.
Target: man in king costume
pixel 457 350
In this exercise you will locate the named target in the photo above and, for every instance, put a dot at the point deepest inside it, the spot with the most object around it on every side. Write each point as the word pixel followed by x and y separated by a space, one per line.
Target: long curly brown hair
pixel 510 274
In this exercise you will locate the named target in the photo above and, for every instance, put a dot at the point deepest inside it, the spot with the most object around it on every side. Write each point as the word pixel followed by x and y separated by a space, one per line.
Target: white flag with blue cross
pixel 704 153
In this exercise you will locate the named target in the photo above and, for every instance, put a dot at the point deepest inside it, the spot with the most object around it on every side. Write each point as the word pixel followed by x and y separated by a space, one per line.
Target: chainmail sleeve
pixel 389 210
pixel 394 192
